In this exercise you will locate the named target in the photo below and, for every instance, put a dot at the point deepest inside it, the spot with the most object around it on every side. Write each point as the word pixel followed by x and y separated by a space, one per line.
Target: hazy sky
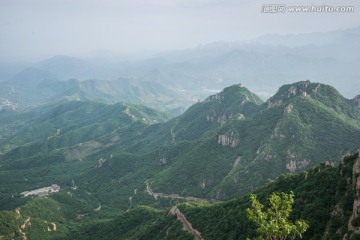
pixel 35 29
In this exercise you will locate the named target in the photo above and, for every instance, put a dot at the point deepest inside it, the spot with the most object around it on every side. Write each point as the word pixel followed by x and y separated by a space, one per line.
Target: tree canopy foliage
pixel 274 223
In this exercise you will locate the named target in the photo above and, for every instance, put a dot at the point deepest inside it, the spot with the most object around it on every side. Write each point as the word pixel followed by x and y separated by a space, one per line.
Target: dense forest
pixel 123 161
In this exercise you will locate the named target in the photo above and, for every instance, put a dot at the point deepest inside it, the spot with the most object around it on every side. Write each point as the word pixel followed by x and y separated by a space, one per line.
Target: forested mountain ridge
pixel 277 138
pixel 52 144
pixel 108 157
pixel 219 148
pixel 325 94
pixel 326 196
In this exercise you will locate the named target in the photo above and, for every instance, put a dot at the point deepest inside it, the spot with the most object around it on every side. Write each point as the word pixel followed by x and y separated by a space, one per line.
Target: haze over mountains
pixel 263 65
pixel 143 148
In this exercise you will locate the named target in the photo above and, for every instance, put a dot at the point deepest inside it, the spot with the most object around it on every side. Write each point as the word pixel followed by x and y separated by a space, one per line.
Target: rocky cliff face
pixel 346 213
pixel 356 205
pixel 228 139
pixel 306 89
pixel 356 101
pixel 303 88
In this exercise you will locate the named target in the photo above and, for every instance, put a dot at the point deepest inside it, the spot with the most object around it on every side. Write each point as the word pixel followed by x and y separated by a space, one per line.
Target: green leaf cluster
pixel 274 223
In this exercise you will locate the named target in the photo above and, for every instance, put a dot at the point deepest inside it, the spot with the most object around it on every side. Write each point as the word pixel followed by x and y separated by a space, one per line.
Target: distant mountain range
pixel 263 65
pixel 34 87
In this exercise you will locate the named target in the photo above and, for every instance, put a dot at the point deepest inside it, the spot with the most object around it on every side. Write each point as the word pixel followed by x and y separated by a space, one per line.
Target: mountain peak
pixel 61 58
pixel 302 88
pixel 235 92
pixel 322 93
pixel 233 103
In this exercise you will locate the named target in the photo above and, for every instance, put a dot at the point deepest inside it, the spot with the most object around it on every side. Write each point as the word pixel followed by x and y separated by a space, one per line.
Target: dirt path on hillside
pixel 173 196
pixel 186 224
pixel 176 211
